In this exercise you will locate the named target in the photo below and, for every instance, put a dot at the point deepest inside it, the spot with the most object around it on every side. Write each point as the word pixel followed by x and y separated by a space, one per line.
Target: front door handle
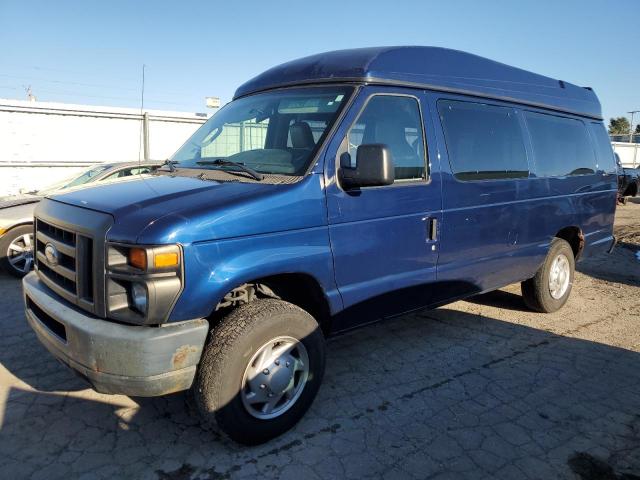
pixel 433 229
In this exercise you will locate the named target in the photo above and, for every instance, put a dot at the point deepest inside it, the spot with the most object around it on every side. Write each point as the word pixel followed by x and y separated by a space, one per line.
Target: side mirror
pixel 374 167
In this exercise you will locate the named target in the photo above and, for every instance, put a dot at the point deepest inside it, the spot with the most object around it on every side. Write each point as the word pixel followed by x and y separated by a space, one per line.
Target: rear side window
pixel 395 121
pixel 484 141
pixel 606 159
pixel 561 145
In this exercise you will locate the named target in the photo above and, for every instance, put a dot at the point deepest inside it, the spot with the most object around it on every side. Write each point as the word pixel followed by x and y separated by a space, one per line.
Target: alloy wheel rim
pixel 275 377
pixel 559 276
pixel 20 253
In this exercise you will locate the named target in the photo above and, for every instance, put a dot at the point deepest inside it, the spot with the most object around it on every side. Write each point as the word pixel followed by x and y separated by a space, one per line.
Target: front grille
pixel 78 235
pixel 56 233
pixel 71 273
pixel 68 284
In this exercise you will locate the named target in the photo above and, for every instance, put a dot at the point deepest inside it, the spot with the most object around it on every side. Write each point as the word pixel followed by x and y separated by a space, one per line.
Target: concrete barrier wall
pixel 43 142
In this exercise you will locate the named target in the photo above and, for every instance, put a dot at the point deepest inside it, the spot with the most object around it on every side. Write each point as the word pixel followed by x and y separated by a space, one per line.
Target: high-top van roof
pixel 431 68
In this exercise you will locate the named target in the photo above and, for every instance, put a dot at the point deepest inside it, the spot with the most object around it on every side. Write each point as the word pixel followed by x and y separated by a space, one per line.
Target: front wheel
pixel 260 371
pixel 549 289
pixel 16 250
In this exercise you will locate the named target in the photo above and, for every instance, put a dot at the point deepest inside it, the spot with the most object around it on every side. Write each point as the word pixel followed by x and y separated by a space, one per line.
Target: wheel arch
pixel 574 236
pixel 301 289
pixel 23 223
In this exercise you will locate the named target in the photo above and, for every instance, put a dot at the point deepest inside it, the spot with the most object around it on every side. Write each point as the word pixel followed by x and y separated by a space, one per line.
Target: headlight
pixel 139 297
pixel 143 282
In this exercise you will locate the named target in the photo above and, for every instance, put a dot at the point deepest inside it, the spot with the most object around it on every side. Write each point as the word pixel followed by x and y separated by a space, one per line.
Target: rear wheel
pixel 260 371
pixel 16 250
pixel 551 286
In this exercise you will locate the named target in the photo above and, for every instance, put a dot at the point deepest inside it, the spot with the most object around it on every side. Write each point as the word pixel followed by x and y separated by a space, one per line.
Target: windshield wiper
pixel 228 163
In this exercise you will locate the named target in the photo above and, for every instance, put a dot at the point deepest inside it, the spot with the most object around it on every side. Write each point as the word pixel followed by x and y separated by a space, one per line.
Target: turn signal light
pixel 162 260
pixel 138 258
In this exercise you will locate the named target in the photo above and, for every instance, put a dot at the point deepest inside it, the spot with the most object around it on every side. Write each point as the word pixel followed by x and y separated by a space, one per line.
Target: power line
pixel 107 97
pixel 49 69
pixel 79 95
pixel 75 73
pixel 64 82
pixel 30 78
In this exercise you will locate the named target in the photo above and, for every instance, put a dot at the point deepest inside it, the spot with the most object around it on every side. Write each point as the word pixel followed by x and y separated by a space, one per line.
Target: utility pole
pixel 145 136
pixel 30 96
pixel 633 112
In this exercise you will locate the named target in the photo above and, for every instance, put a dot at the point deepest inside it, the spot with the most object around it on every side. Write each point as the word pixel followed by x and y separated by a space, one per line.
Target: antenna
pixel 143 127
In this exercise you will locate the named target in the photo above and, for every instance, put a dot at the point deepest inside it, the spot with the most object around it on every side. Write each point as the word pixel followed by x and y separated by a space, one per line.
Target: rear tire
pixel 551 286
pixel 226 395
pixel 16 251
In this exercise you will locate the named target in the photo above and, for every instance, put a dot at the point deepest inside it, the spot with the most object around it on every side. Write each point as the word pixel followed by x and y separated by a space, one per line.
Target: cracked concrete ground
pixel 476 389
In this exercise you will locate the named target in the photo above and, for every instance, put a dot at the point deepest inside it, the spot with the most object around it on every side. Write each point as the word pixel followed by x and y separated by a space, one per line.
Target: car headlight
pixel 139 297
pixel 143 282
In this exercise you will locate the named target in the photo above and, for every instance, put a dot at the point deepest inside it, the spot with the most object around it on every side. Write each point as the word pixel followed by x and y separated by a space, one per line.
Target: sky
pixel 92 52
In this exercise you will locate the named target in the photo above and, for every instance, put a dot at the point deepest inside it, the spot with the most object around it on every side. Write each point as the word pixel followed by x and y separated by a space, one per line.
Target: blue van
pixel 332 191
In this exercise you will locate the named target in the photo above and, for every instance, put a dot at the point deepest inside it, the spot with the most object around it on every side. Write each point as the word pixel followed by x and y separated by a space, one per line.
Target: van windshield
pixel 274 132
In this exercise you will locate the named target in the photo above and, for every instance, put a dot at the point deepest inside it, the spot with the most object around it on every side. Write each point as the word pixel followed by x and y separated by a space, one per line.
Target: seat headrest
pixel 301 136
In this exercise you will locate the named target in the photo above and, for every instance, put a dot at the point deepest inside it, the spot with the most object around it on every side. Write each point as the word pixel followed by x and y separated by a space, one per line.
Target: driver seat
pixel 301 136
pixel 302 144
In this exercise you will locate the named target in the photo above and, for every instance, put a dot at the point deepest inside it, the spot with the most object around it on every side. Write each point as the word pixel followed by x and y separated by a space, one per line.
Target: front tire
pixel 551 286
pixel 16 251
pixel 260 371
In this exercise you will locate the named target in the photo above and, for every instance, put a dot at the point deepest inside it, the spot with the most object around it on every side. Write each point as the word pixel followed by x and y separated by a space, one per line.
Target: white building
pixel 43 142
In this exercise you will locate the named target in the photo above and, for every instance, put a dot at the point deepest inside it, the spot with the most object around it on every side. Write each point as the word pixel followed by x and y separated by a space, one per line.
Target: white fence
pixel 629 153
pixel 42 142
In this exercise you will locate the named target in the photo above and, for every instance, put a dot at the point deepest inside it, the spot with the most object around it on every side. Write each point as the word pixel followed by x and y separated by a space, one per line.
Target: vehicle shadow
pixel 621 266
pixel 500 299
pixel 434 391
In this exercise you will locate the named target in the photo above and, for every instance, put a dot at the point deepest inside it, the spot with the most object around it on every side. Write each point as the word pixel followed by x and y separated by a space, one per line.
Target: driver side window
pixel 395 121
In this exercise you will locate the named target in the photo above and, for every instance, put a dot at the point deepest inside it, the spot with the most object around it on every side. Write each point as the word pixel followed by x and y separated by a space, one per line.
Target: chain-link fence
pixel 625 138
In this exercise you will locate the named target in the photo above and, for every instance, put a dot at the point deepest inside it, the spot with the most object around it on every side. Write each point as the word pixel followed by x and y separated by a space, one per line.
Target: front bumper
pixel 115 358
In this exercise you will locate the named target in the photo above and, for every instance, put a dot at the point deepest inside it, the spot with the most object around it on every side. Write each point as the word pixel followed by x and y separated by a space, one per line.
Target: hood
pixel 124 197
pixel 176 209
pixel 14 201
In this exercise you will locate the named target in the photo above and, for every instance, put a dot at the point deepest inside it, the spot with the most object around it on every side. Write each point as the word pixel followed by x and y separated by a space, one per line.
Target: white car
pixel 16 213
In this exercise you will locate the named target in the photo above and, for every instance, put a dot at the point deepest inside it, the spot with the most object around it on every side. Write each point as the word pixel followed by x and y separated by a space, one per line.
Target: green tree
pixel 637 132
pixel 619 126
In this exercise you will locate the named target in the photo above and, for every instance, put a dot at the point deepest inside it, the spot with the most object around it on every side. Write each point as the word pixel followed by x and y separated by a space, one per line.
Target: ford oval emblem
pixel 51 252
